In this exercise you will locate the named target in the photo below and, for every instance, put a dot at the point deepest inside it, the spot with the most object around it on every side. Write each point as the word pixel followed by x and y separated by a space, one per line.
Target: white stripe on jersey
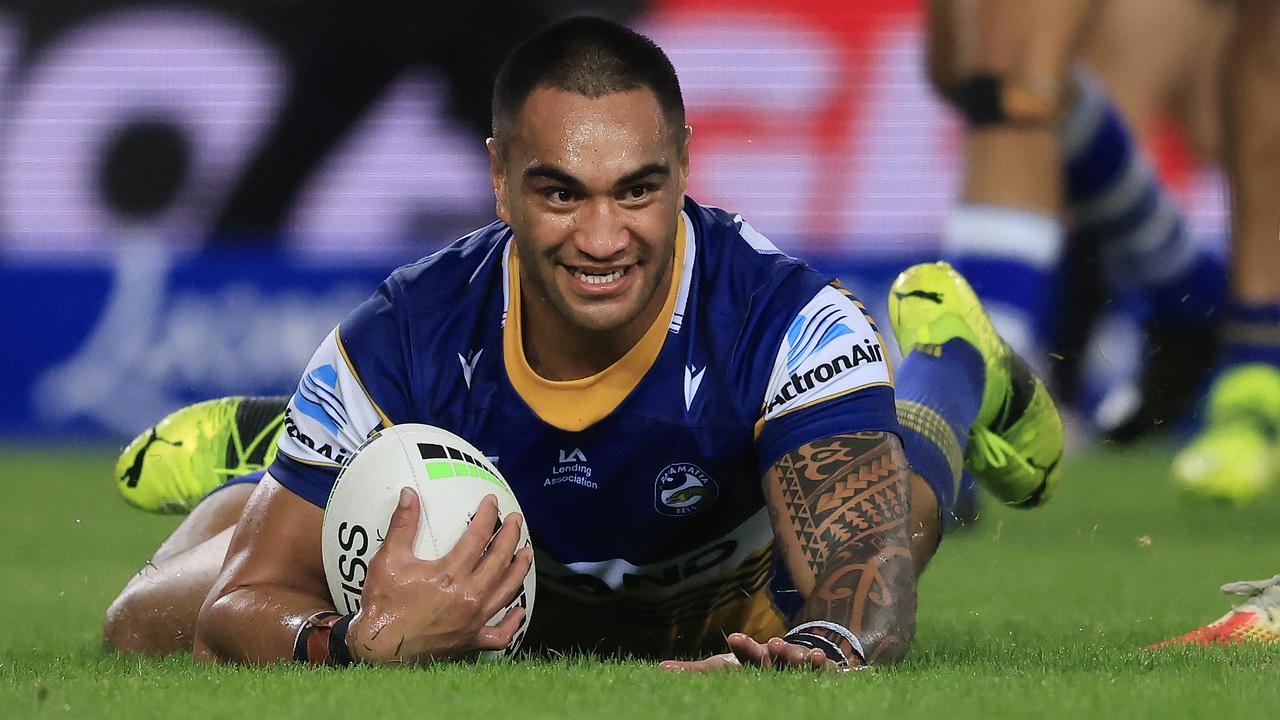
pixel 667 578
pixel 506 280
pixel 762 244
pixel 686 279
pixel 324 425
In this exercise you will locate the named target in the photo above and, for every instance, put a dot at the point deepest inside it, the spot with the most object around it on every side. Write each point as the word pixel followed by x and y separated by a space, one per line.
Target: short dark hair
pixel 590 56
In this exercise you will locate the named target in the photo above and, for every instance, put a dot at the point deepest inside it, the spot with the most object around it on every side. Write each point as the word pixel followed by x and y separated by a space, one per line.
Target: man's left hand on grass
pixel 777 654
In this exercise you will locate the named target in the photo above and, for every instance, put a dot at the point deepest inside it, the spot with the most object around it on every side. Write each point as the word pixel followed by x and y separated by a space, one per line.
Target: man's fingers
pixel 711 664
pixel 748 651
pixel 508 584
pixel 818 660
pixel 404 522
pixel 785 655
pixel 499 636
pixel 466 553
pixel 777 653
pixel 501 549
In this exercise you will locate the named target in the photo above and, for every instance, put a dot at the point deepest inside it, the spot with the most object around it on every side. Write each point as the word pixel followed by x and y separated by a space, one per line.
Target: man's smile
pixel 599 281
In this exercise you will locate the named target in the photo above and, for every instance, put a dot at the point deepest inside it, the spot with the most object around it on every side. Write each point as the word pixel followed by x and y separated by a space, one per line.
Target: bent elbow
pixel 890 647
pixel 210 624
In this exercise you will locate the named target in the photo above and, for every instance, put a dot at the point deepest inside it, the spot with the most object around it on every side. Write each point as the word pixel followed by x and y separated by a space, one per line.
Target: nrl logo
pixel 683 489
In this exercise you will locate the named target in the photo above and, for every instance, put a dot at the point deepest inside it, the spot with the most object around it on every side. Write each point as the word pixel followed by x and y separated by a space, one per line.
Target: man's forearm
pixel 873 595
pixel 254 625
pixel 841 509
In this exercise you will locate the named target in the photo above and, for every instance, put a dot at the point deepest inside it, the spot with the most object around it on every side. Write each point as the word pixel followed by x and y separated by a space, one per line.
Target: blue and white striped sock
pixel 1119 203
pixel 1011 258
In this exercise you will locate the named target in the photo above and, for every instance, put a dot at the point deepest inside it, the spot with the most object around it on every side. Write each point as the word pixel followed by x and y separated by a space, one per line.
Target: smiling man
pixel 702 431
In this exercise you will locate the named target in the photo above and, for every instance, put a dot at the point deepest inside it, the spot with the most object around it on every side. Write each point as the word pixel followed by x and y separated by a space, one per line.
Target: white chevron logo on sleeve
pixel 469 367
pixel 692 381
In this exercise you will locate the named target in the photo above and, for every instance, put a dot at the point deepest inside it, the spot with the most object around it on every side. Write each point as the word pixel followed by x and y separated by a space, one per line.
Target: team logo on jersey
pixel 683 489
pixel 317 398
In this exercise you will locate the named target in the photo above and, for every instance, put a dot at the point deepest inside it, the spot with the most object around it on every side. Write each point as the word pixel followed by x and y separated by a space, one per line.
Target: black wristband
pixel 826 636
pixel 817 642
pixel 339 653
pixel 300 643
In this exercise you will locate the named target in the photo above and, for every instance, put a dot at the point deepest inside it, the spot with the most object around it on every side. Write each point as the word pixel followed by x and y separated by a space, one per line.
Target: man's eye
pixel 637 192
pixel 559 196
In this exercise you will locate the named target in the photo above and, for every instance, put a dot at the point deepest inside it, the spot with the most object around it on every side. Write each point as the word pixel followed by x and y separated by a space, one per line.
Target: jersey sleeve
pixel 830 376
pixel 355 383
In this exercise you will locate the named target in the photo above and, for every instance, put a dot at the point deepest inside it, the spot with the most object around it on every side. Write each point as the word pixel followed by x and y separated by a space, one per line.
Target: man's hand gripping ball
pixel 416 611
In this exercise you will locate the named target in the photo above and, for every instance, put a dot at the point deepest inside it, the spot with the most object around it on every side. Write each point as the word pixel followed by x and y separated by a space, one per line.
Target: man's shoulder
pixel 727 237
pixel 742 271
pixel 472 264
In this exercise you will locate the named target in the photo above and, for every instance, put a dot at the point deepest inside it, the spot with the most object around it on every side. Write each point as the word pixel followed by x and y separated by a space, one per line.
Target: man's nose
pixel 601 234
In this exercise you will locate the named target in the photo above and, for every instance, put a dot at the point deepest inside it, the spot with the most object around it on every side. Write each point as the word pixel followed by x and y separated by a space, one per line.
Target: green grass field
pixel 1041 614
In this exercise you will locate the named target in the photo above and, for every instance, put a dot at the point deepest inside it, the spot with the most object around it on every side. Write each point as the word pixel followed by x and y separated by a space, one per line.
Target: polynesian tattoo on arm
pixel 840 508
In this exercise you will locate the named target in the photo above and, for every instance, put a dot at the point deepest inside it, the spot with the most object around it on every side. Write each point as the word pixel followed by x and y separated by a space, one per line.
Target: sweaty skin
pixel 416 610
pixel 594 186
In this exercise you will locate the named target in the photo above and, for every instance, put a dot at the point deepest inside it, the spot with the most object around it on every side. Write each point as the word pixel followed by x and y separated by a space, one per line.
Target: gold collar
pixel 575 405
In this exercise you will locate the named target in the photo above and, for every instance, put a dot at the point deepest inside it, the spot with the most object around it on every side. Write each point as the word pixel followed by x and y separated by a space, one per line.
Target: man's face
pixel 593 190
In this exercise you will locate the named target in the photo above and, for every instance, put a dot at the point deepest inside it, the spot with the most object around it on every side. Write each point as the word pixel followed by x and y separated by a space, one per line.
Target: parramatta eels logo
pixel 683 489
pixel 317 399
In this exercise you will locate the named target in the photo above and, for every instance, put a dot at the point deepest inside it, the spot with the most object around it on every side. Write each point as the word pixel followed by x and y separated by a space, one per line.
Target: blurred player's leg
pixel 1164 56
pixel 1235 456
pixel 1253 157
pixel 155 613
pixel 1002 64
pixel 1149 54
pixel 1120 206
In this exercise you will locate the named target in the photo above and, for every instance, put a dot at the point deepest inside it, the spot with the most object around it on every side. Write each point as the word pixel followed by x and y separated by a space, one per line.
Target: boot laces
pixel 1263 596
pixel 994 450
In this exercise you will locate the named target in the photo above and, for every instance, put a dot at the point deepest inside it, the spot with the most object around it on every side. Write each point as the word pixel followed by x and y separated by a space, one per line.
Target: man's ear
pixel 499 179
pixel 686 136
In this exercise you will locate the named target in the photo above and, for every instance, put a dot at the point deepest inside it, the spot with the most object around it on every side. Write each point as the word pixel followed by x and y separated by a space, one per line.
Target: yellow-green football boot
pixel 172 465
pixel 1015 445
pixel 1234 458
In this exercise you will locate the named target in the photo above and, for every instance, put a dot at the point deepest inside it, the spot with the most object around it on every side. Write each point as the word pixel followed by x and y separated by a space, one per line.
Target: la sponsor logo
pixel 571 468
pixel 800 383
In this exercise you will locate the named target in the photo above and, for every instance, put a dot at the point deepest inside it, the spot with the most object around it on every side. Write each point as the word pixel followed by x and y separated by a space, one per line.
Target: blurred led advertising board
pixel 177 179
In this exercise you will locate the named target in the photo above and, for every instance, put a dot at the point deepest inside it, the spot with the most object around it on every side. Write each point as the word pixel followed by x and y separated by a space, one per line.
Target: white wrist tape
pixel 840 630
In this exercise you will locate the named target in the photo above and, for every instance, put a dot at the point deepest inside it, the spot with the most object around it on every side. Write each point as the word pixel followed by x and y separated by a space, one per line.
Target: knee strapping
pixel 987 99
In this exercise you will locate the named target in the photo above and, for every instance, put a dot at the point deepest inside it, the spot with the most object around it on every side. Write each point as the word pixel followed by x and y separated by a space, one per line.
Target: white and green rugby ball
pixel 450 476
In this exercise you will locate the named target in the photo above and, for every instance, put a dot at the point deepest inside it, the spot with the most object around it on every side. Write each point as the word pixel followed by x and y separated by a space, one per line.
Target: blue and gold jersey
pixel 641 485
